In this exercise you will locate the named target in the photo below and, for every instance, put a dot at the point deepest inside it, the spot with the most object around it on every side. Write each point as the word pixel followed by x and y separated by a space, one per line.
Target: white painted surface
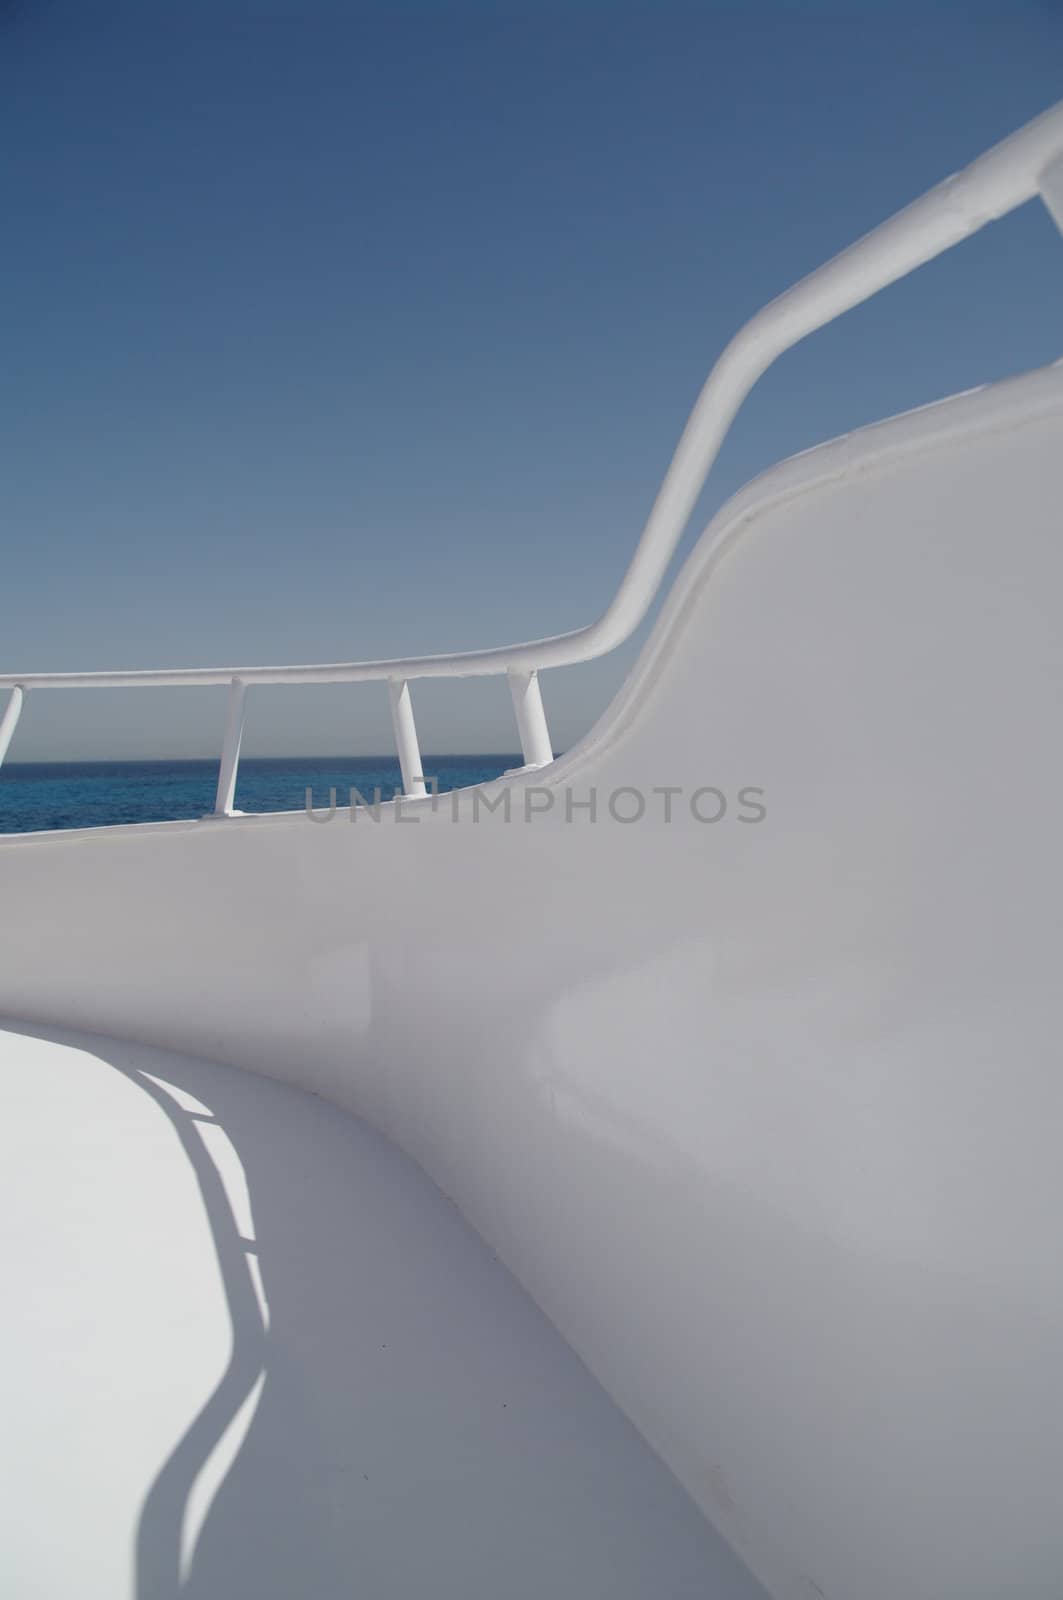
pixel 9 720
pixel 765 1116
pixel 230 750
pixel 405 729
pixel 531 719
pixel 251 1353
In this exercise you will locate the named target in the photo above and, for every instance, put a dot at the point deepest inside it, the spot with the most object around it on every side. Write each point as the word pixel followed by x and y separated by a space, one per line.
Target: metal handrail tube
pixel 1025 164
pixel 1005 177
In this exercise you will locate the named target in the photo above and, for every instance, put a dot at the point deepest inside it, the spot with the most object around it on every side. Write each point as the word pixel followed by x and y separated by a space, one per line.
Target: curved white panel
pixel 764 1114
pixel 252 1354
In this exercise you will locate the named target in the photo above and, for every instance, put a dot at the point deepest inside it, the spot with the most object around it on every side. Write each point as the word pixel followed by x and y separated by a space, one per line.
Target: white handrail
pixel 1005 177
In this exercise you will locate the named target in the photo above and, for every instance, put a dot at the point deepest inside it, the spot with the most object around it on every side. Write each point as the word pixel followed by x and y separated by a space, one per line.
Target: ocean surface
pixel 38 795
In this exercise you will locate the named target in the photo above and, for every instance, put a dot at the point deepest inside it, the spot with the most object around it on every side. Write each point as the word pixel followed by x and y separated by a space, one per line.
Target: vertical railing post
pixel 406 738
pixel 531 718
pixel 9 720
pixel 230 750
pixel 1051 186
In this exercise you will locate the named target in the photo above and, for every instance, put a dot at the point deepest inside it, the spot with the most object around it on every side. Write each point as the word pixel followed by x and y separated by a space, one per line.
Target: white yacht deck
pixel 253 1351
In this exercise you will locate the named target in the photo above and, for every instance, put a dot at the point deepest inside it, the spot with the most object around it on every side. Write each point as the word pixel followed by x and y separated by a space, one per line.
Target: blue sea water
pixel 88 794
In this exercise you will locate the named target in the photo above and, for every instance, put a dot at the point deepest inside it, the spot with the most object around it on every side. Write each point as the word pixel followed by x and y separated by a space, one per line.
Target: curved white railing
pixel 1028 163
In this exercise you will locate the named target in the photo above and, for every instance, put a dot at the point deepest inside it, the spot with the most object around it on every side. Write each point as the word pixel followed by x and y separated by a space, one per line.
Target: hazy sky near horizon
pixel 335 331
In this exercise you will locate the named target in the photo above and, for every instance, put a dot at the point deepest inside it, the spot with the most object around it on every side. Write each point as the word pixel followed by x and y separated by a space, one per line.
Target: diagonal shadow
pixel 158 1556
pixel 420 1427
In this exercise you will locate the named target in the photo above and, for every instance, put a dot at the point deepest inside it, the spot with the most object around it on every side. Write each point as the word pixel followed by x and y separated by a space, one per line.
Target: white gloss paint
pixel 406 744
pixel 230 749
pixel 9 720
pixel 531 719
pixel 764 1116
pixel 405 1423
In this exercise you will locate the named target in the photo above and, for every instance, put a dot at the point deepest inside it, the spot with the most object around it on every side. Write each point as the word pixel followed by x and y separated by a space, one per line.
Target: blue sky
pixel 335 331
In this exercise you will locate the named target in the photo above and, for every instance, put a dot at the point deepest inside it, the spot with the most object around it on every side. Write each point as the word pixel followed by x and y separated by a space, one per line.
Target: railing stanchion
pixel 531 718
pixel 1051 185
pixel 9 720
pixel 406 738
pixel 230 750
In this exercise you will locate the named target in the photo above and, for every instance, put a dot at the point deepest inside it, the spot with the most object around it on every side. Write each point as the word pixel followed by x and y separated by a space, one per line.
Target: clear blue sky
pixel 335 331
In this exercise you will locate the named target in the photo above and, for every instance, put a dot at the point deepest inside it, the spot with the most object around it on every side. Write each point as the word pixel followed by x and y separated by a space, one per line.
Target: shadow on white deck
pixel 252 1351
